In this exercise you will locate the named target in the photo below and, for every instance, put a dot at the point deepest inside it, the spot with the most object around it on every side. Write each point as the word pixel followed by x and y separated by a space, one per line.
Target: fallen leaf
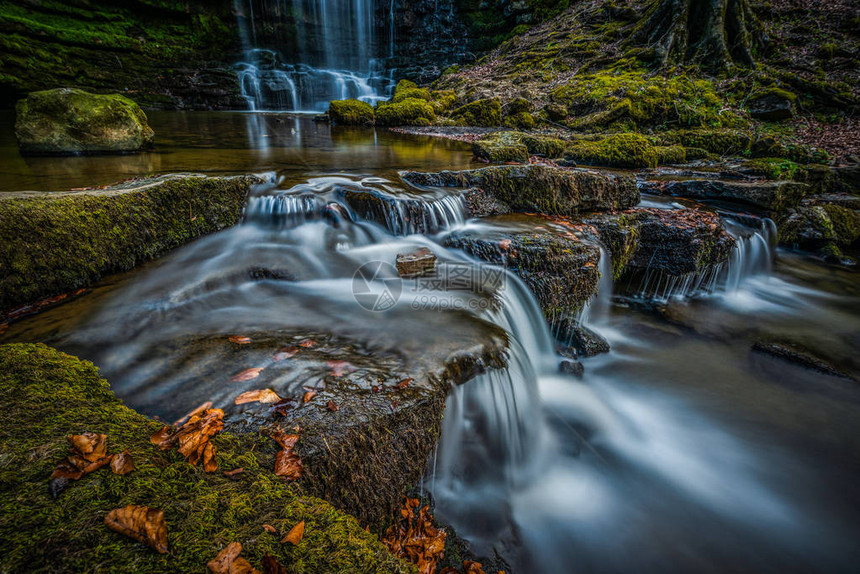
pixel 403 384
pixel 239 340
pixel 309 395
pixel 294 536
pixel 505 243
pixel 269 528
pixel 414 538
pixel 258 396
pixel 228 562
pixel 287 463
pixel 234 472
pixel 193 438
pixel 285 353
pixel 142 523
pixel 122 463
pixel 272 566
pixel 374 388
pixel 332 406
pixel 209 462
pixel 281 407
pixel 247 375
pixel 471 567
pixel 204 407
pixel 340 368
pixel 307 343
pixel 89 445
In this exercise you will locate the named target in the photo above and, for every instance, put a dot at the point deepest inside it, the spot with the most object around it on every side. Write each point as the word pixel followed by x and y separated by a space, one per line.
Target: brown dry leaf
pixel 307 343
pixel 239 340
pixel 272 566
pixel 287 463
pixel 470 567
pixel 414 538
pixel 285 353
pixel 505 243
pixel 193 438
pixel 142 523
pixel 281 407
pixel 403 384
pixel 247 375
pixel 89 445
pixel 233 473
pixel 199 410
pixel 309 395
pixel 228 562
pixel 258 396
pixel 332 406
pixel 269 528
pixel 340 368
pixel 122 463
pixel 294 536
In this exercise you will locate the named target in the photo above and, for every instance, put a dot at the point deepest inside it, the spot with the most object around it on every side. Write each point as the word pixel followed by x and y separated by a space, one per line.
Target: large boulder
pixel 540 188
pixel 772 195
pixel 350 113
pixel 71 121
pixel 772 105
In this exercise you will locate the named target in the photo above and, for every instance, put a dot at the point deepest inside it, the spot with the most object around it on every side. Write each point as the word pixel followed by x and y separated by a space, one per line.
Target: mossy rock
pixel 674 154
pixel 501 147
pixel 775 168
pixel 544 146
pixel 70 121
pixel 618 150
pixel 481 113
pixel 772 104
pixel 522 120
pixel 816 226
pixel 350 113
pixel 723 142
pixel 443 100
pixel 48 395
pixel 408 112
pixel 52 243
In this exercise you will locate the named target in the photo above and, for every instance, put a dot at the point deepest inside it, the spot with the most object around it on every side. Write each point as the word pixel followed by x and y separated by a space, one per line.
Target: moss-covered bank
pixel 48 395
pixel 51 243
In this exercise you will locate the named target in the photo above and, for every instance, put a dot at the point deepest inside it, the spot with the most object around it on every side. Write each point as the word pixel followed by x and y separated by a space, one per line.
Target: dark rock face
pixel 773 195
pixel 799 356
pixel 573 368
pixel 417 263
pixel 579 341
pixel 773 106
pixel 558 267
pixel 675 242
pixel 540 188
pixel 66 121
pixel 813 226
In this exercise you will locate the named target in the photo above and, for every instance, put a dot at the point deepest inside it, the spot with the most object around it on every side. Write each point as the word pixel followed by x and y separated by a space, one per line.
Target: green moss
pixel 618 150
pixel 54 243
pixel 776 168
pixel 484 113
pixel 48 395
pixel 443 100
pixel 350 113
pixel 615 96
pixel 775 92
pixel 522 120
pixel 501 147
pixel 671 154
pixel 719 141
pixel 409 112
pixel 845 223
pixel 411 93
pixel 544 146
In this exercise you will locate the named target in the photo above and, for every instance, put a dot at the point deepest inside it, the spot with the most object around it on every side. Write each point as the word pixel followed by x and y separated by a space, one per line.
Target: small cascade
pixel 411 215
pixel 596 311
pixel 333 53
pixel 753 254
pixel 659 286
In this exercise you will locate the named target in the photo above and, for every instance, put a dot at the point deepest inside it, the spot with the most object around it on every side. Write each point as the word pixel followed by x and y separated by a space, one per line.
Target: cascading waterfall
pixel 332 47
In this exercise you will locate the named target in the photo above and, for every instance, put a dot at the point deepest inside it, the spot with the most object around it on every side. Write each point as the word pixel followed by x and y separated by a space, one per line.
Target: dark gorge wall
pixel 161 53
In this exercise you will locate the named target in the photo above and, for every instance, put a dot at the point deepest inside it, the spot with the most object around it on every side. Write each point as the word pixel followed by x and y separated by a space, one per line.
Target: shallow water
pixel 681 450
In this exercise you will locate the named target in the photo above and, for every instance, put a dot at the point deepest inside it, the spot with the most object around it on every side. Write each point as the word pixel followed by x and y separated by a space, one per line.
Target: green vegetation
pixel 408 112
pixel 350 113
pixel 484 113
pixel 408 90
pixel 53 243
pixel 49 395
pixel 617 150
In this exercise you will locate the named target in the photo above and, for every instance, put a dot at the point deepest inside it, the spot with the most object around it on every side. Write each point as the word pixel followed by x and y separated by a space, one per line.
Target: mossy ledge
pixel 52 243
pixel 48 395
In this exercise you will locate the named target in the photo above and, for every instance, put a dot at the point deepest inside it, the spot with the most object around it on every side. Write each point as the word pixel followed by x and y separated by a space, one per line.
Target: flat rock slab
pixel 540 188
pixel 771 195
pixel 53 243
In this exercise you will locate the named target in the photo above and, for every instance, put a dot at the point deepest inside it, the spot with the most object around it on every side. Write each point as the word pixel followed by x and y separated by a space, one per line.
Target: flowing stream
pixel 678 451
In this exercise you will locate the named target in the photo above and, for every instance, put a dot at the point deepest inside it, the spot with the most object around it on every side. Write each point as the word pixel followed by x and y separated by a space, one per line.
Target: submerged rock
pixel 417 263
pixel 772 195
pixel 799 356
pixel 541 188
pixel 71 121
pixel 578 340
pixel 573 368
pixel 74 238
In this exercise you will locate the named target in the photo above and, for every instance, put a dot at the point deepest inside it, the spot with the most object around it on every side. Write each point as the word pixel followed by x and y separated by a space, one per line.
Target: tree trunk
pixel 711 33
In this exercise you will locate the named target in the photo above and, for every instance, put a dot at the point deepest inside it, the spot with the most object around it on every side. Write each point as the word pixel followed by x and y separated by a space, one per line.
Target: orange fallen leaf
pixel 258 396
pixel 239 340
pixel 193 438
pixel 234 472
pixel 122 463
pixel 471 567
pixel 340 368
pixel 287 463
pixel 294 536
pixel 142 523
pixel 332 406
pixel 247 375
pixel 403 384
pixel 285 353
pixel 269 528
pixel 90 446
pixel 414 538
pixel 228 562
pixel 505 243
pixel 309 395
pixel 204 407
pixel 307 343
pixel 88 454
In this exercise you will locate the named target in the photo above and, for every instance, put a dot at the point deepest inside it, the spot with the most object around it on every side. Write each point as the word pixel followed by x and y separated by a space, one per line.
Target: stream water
pixel 681 450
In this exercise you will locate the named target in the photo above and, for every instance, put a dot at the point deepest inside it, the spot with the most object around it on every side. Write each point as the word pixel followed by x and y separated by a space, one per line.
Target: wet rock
pixel 800 356
pixel 350 113
pixel 74 238
pixel 69 121
pixel 540 188
pixel 772 195
pixel 557 266
pixel 501 147
pixel 772 105
pixel 479 203
pixel 578 340
pixel 671 241
pixel 573 368
pixel 420 262
pixel 817 226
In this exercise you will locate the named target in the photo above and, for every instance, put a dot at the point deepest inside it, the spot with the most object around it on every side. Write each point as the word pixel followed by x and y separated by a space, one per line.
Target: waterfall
pixel 308 52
